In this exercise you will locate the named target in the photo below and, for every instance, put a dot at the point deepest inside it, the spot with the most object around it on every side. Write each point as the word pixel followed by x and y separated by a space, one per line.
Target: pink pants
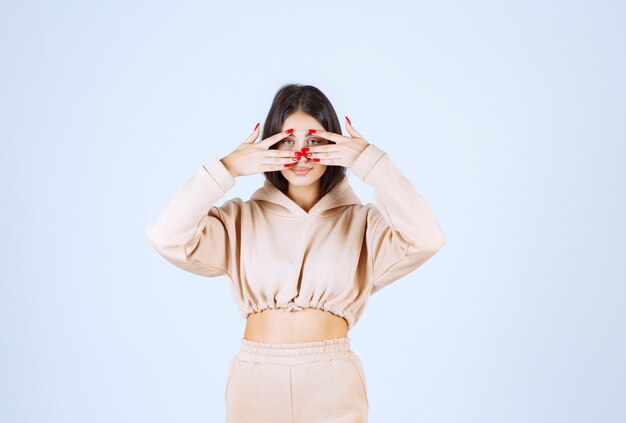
pixel 308 382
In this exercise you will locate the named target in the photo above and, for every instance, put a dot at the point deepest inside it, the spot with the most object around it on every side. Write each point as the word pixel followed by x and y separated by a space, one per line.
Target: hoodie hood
pixel 276 202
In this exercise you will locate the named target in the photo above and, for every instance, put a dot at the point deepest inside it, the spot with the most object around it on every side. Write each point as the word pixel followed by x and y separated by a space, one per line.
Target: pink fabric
pixel 308 382
pixel 275 254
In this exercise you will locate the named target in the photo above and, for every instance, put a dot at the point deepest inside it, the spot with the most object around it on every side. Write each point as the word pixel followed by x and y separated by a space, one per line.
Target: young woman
pixel 303 255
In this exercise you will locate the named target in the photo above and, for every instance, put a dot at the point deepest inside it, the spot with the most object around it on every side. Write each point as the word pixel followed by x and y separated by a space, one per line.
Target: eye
pixel 310 141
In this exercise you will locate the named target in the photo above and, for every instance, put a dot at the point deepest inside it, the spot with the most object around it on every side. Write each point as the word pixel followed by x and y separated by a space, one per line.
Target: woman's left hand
pixel 344 152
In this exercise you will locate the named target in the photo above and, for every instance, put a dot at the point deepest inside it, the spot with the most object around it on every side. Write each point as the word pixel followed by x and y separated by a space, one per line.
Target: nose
pixel 301 155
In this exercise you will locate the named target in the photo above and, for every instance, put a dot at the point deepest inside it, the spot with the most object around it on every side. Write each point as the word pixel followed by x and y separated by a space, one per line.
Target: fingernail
pixel 305 148
pixel 312 131
pixel 316 160
pixel 287 165
pixel 298 153
pixel 348 120
pixel 289 131
pixel 257 125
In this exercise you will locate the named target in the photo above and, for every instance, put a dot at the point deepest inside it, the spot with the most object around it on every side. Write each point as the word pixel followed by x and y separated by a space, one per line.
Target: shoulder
pixel 235 207
pixel 361 211
pixel 231 207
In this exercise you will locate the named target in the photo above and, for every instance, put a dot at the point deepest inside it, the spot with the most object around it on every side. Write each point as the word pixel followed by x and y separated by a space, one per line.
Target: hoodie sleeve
pixel 190 232
pixel 401 231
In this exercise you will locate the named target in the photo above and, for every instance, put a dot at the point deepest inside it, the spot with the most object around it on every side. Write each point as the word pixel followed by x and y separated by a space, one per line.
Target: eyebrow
pixel 308 136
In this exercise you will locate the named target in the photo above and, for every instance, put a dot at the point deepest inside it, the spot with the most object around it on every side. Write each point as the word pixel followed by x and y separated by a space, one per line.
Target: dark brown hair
pixel 289 99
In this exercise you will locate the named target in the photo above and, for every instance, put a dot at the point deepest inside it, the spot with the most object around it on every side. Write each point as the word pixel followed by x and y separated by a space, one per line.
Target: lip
pixel 301 171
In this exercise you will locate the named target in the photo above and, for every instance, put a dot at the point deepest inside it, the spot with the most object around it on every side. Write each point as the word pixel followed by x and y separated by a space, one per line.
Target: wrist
pixel 229 166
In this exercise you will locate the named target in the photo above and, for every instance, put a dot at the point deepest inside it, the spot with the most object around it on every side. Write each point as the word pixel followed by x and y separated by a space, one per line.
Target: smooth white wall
pixel 507 116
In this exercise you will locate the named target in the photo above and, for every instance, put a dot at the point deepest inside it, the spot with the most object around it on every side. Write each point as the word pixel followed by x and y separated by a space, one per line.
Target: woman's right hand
pixel 250 157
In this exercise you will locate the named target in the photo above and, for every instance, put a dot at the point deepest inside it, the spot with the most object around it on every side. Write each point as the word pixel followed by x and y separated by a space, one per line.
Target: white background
pixel 507 116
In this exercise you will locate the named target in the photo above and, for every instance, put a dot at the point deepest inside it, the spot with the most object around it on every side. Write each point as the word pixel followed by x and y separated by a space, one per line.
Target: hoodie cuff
pixel 366 161
pixel 220 174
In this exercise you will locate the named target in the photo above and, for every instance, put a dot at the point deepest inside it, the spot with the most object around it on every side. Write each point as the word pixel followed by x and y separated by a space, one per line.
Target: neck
pixel 305 195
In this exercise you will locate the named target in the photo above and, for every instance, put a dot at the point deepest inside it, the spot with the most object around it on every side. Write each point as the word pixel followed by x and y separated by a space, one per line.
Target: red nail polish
pixel 312 131
pixel 298 153
pixel 305 149
pixel 257 125
pixel 289 131
pixel 348 120
pixel 316 160
pixel 287 164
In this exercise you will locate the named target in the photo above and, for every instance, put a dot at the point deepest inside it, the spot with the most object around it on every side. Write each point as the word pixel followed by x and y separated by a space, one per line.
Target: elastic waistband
pixel 293 349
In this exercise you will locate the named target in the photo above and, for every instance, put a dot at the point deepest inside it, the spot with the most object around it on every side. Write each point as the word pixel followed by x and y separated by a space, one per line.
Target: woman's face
pixel 299 138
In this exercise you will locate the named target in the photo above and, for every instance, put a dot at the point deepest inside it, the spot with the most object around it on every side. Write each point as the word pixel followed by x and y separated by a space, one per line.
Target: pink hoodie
pixel 277 255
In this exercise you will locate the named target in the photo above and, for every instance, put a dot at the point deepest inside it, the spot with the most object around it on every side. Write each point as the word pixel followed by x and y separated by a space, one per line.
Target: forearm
pixel 177 221
pixel 404 209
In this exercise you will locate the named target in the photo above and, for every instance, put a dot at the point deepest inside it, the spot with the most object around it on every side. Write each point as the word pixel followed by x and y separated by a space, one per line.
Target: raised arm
pixel 401 231
pixel 190 231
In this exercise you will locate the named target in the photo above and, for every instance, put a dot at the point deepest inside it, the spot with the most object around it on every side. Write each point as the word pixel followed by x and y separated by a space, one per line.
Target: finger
pixel 327 148
pixel 328 161
pixel 269 141
pixel 326 155
pixel 281 154
pixel 330 136
pixel 254 135
pixel 282 158
pixel 271 164
pixel 275 167
pixel 353 132
pixel 281 161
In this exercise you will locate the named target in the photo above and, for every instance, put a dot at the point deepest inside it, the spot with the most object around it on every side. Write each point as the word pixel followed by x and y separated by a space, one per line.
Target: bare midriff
pixel 283 326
